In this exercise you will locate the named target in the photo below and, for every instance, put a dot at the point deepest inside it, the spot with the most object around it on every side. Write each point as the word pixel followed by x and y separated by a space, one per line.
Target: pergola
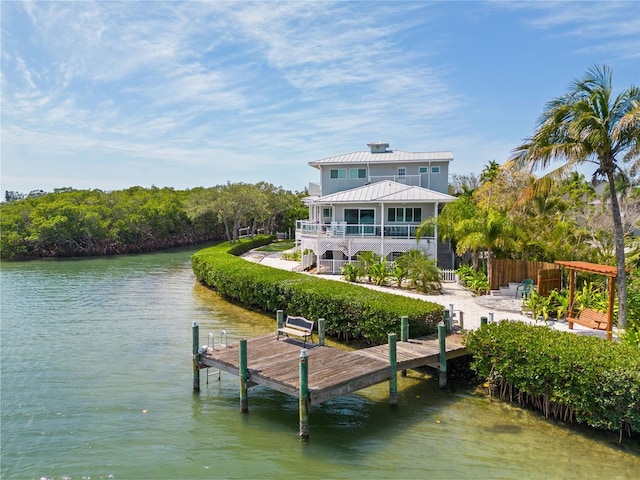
pixel 606 270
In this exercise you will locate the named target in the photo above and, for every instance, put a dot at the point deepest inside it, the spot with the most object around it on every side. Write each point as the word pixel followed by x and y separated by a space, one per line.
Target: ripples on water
pixel 96 383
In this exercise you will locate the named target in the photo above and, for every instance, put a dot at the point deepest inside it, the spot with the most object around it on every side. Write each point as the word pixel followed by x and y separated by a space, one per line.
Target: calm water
pixel 96 383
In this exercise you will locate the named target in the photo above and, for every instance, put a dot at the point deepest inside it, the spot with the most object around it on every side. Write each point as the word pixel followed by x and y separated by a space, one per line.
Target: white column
pixel 435 231
pixel 382 229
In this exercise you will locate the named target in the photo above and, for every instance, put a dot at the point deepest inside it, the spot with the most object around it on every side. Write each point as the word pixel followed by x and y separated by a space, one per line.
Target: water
pixel 96 383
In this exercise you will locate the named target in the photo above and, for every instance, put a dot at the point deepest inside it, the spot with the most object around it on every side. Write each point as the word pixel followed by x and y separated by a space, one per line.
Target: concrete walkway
pixel 472 306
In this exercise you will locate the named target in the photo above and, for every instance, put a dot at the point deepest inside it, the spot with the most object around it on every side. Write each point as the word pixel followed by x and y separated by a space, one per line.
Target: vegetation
pixel 70 222
pixel 474 280
pixel 570 377
pixel 351 312
pixel 508 213
pixel 589 125
pixel 590 295
pixel 413 265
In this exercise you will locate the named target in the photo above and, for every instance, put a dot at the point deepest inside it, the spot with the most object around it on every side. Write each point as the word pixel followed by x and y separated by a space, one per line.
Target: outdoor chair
pixel 524 288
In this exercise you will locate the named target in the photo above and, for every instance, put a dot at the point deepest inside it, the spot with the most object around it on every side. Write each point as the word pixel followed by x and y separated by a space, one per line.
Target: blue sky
pixel 110 95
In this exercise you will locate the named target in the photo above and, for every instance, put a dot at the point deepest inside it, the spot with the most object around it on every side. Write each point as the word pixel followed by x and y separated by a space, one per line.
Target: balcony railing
pixel 342 229
pixel 413 180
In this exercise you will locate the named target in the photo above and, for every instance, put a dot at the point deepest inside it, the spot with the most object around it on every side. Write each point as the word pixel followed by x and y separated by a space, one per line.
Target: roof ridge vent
pixel 378 147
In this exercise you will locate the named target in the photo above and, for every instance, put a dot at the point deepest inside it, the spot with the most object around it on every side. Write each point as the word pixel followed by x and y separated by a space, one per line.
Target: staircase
pixel 446 257
pixel 506 291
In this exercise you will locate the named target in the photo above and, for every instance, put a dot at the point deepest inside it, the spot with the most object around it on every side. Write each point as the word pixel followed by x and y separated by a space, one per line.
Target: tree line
pixel 71 223
pixel 555 216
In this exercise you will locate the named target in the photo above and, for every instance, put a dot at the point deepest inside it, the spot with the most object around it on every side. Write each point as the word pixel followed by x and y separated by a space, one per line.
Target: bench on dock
pixel 590 318
pixel 298 326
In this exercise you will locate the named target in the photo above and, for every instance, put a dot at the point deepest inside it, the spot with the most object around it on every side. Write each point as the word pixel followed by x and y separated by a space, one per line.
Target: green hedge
pixel 350 311
pixel 569 376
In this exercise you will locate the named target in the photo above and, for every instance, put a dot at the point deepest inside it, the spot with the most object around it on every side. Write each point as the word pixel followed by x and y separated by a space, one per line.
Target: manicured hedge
pixel 569 376
pixel 350 311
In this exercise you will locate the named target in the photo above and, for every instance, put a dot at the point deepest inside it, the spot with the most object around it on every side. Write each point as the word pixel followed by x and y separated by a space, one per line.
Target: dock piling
pixel 447 320
pixel 442 335
pixel 196 356
pixel 304 395
pixel 279 319
pixel 243 374
pixel 321 330
pixel 451 315
pixel 393 380
pixel 404 335
pixel 404 328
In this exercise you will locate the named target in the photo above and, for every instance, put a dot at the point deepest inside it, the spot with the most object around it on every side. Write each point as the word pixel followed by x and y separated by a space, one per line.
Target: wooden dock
pixel 332 372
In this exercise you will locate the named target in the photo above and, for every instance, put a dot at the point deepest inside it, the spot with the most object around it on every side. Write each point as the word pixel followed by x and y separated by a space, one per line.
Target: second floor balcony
pixel 308 228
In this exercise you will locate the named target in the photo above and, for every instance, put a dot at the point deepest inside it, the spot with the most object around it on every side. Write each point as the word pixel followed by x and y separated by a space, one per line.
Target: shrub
pixel 350 311
pixel 571 377
pixel 476 281
pixel 421 270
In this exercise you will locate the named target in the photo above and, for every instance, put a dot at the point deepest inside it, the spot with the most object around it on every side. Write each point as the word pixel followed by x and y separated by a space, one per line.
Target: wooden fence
pixel 549 279
pixel 504 272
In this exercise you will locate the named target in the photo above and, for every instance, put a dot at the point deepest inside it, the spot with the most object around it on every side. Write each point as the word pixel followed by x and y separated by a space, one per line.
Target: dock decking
pixel 332 372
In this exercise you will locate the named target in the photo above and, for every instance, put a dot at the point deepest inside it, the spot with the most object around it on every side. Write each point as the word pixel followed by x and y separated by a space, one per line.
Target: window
pixel 435 169
pixel 402 171
pixel 413 215
pixel 357 173
pixel 424 170
pixel 354 216
pixel 339 173
pixel 351 216
pixel 326 213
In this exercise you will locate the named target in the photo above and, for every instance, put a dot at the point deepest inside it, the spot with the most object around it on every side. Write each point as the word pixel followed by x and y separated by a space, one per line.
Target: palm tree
pixel 589 125
pixel 489 175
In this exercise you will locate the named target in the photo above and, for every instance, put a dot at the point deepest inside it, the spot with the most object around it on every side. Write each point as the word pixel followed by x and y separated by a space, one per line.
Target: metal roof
pixel 397 156
pixel 385 191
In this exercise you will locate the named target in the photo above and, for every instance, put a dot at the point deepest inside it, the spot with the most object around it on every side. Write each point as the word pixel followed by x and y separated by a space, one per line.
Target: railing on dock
pixel 211 346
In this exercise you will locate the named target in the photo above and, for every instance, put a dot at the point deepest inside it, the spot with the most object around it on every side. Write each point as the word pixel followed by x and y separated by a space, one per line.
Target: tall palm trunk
pixel 619 242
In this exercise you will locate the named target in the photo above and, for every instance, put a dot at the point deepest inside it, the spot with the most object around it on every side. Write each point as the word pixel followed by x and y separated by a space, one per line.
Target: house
pixel 373 201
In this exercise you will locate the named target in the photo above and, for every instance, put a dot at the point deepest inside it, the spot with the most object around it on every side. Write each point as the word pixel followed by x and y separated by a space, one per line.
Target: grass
pixel 280 246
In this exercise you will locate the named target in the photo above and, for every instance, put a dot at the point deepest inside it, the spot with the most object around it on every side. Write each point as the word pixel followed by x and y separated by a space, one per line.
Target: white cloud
pixel 232 87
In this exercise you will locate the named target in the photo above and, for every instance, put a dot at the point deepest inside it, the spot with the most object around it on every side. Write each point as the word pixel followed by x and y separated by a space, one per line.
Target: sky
pixel 110 95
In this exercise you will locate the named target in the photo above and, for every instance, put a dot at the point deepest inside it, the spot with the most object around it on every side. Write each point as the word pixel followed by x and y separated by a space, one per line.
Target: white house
pixel 373 201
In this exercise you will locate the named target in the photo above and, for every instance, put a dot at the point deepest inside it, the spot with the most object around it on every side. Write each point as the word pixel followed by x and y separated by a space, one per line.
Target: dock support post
pixel 321 326
pixel 243 374
pixel 404 329
pixel 447 320
pixel 304 395
pixel 442 335
pixel 404 335
pixel 196 356
pixel 483 321
pixel 393 380
pixel 279 319
pixel 451 315
pixel 461 320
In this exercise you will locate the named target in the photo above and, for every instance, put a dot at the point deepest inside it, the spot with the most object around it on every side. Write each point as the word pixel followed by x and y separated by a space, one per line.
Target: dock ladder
pixel 211 345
